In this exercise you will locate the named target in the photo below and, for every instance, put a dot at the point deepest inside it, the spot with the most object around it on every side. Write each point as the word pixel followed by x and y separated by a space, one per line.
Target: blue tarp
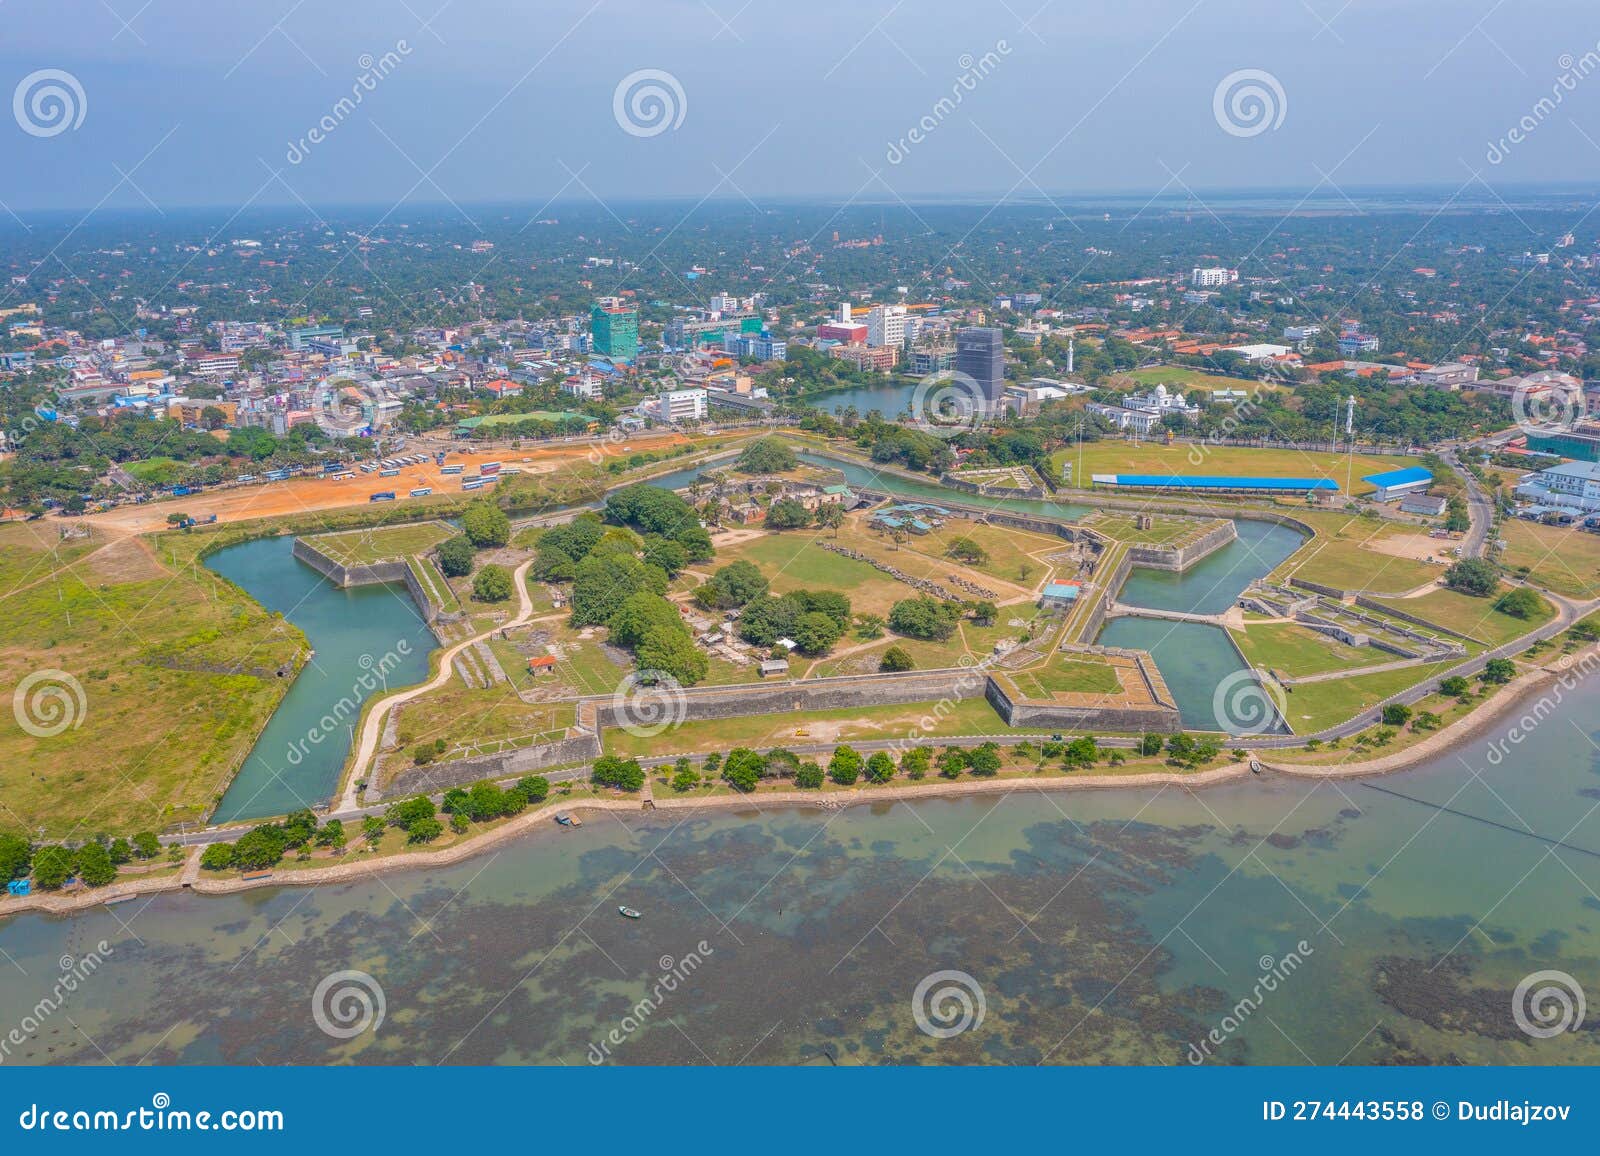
pixel 1399 477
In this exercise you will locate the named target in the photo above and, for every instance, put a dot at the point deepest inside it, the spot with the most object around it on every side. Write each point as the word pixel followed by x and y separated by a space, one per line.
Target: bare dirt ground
pixel 311 494
pixel 1418 547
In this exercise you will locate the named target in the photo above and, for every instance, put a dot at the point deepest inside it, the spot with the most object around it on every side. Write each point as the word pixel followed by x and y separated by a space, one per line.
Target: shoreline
pixel 1491 711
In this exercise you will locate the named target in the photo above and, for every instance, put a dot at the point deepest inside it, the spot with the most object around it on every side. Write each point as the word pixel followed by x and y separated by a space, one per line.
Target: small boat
pixel 567 820
pixel 630 913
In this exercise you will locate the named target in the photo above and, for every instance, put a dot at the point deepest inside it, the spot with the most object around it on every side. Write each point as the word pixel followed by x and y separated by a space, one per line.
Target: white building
pixel 1126 420
pixel 886 325
pixel 1575 485
pixel 1213 278
pixel 1263 351
pixel 676 405
pixel 1161 402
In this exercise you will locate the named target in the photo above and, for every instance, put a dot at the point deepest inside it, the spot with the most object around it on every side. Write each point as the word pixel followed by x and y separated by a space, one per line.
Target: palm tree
pixel 831 516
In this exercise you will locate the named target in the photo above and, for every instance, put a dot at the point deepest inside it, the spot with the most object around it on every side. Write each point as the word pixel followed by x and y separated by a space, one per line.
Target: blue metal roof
pixel 1180 482
pixel 1061 590
pixel 1399 477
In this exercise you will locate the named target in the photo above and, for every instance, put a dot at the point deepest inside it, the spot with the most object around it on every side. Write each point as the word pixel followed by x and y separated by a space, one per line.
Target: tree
pixel 1472 576
pixel 808 777
pixel 685 779
pixel 455 556
pixel 217 857
pixel 1499 670
pixel 743 768
pixel 1396 714
pixel 926 618
pixel 816 633
pixel 260 847
pixel 845 766
pixel 916 761
pixel 1149 744
pixel 731 587
pixel 952 761
pixel 146 845
pixel 880 767
pixel 830 516
pixel 984 759
pixel 535 788
pixel 52 867
pixel 895 659
pixel 623 774
pixel 121 851
pixel 1455 685
pixel 15 855
pixel 766 456
pixel 492 584
pixel 787 514
pixel 966 550
pixel 332 834
pixel 409 811
pixel 424 831
pixel 983 612
pixel 1521 602
pixel 486 524
pixel 1083 751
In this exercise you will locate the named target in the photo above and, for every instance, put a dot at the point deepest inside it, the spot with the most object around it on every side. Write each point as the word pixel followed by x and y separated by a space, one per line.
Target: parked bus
pixel 455 469
pixel 489 468
pixel 422 491
pixel 384 496
pixel 388 473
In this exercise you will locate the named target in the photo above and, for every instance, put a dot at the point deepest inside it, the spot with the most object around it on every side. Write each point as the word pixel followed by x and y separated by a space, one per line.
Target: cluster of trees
pixel 925 617
pixel 1473 576
pixel 1521 602
pixel 813 619
pixel 621 774
pixel 766 456
pixel 95 863
pixel 265 845
pixel 484 525
pixel 653 511
pixel 486 800
pixel 732 586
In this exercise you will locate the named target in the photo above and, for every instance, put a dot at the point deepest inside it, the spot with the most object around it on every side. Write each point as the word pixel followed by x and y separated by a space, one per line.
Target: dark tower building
pixel 980 355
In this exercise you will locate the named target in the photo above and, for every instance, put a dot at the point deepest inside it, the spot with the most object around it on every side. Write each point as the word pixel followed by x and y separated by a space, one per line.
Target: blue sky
pixel 192 103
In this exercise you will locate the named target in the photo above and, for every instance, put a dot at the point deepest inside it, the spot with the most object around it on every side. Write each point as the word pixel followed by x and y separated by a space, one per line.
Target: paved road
pixel 1479 506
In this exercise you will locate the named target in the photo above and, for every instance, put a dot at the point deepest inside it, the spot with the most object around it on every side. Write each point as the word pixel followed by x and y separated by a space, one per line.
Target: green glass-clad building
pixel 614 331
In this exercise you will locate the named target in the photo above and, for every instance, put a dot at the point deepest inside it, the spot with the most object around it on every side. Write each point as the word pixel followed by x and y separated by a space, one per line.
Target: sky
pixel 174 103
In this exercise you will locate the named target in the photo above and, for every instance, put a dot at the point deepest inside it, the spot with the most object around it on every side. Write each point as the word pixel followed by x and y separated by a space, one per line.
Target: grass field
pixel 381 543
pixel 433 581
pixel 134 646
pixel 1294 651
pixel 1187 378
pixel 1078 674
pixel 1346 553
pixel 1114 456
pixel 1161 532
pixel 1314 705
pixel 1475 617
pixel 1563 558
pixel 475 722
pixel 974 716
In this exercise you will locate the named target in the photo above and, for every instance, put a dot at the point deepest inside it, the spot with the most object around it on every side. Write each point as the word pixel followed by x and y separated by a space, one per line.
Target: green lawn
pixel 1561 558
pixel 381 543
pixel 1315 705
pixel 1079 674
pixel 1294 651
pixel 1188 378
pixel 1474 617
pixel 973 716
pixel 1345 555
pixel 431 580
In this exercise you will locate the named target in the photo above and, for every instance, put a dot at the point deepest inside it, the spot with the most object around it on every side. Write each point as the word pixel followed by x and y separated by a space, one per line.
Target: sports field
pixel 1355 553
pixel 1116 456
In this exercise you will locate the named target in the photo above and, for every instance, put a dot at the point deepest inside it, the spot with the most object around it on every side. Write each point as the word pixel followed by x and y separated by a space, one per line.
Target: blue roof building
pixel 1393 484
pixel 1215 483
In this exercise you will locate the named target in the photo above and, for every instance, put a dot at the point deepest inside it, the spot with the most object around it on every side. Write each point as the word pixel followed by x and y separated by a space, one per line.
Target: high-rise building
pixel 980 355
pixel 614 331
pixel 886 325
